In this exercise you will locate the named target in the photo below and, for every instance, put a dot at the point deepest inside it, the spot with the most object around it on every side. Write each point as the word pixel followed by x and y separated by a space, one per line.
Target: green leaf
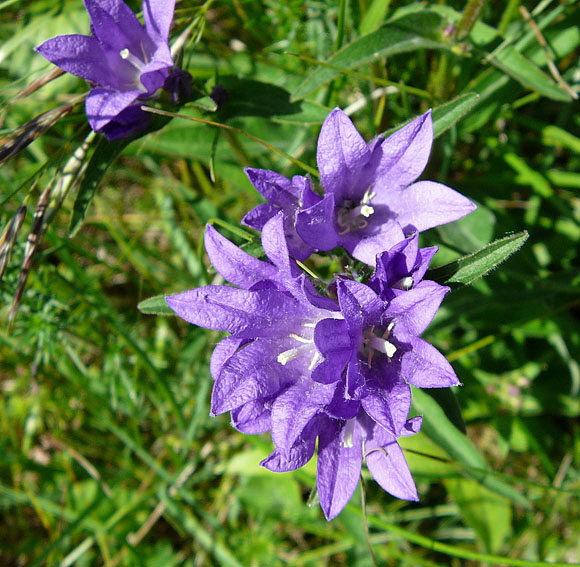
pixel 446 115
pixel 467 269
pixel 510 61
pixel 445 435
pixel 410 33
pixel 155 306
pixel 489 516
pixel 375 14
pixel 102 158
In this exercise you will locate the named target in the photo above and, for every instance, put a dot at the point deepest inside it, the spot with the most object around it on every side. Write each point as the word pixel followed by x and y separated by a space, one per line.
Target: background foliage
pixel 107 454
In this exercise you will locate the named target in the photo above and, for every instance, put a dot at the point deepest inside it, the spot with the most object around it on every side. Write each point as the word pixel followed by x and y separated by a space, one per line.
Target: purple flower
pixel 371 197
pixel 282 194
pixel 305 367
pixel 126 61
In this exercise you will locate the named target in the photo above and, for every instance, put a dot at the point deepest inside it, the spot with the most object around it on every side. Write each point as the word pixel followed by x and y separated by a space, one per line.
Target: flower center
pixel 351 217
pixel 378 343
pixel 306 345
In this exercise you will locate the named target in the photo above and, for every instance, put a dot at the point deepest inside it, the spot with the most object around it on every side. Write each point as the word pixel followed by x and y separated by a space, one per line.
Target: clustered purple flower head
pixel 125 62
pixel 308 367
pixel 371 197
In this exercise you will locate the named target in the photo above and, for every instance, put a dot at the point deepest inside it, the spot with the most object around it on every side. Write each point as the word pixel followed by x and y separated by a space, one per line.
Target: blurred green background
pixel 107 453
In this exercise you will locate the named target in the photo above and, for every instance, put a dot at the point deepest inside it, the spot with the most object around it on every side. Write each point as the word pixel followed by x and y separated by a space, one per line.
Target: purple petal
pixel 425 367
pixel 315 225
pixel 297 456
pixel 158 15
pixel 414 309
pixel 250 374
pixel 412 427
pixel 402 157
pixel 79 55
pixel 245 314
pixel 235 265
pixel 389 468
pixel 427 204
pixel 425 255
pixel 129 122
pixel 259 216
pixel 222 352
pixel 276 247
pixel 114 24
pixel 389 408
pixel 294 409
pixel 332 340
pixel 273 186
pixel 341 155
pixel 104 105
pixel 253 417
pixel 338 469
pixel 359 305
pixel 368 247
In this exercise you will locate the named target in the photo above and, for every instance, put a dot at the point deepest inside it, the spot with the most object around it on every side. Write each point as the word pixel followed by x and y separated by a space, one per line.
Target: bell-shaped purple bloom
pixel 125 60
pixel 282 194
pixel 306 367
pixel 371 197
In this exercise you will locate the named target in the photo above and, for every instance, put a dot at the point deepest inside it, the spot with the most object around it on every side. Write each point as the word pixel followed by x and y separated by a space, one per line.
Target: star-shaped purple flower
pixel 124 59
pixel 306 367
pixel 371 197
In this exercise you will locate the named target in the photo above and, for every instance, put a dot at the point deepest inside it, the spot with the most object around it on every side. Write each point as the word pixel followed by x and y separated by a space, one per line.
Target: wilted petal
pixel 427 204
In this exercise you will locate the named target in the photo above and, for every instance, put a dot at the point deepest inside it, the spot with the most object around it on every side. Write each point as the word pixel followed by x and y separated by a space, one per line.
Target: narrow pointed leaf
pixel 467 269
pixel 446 115
pixel 513 63
pixel 155 306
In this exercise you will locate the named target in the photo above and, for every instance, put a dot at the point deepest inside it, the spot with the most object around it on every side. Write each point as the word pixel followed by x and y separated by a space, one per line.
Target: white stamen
pixel 366 211
pixel 382 345
pixel 132 59
pixel 287 356
pixel 347 440
pixel 299 338
pixel 405 283
pixel 317 356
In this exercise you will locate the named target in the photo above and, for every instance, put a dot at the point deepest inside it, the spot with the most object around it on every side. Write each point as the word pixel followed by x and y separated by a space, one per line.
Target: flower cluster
pixel 126 63
pixel 333 366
